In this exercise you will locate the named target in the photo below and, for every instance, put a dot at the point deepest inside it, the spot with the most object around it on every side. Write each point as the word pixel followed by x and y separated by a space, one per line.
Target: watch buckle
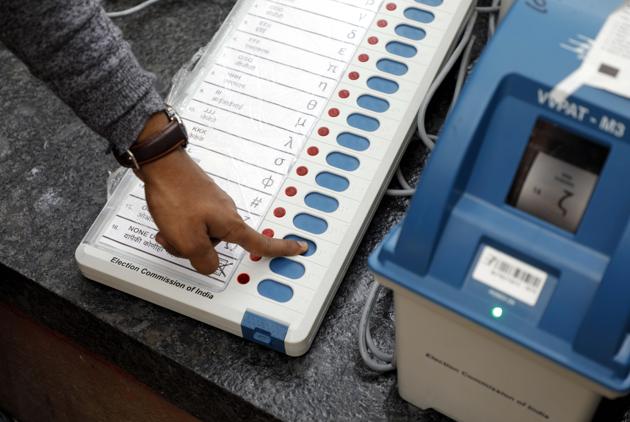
pixel 133 160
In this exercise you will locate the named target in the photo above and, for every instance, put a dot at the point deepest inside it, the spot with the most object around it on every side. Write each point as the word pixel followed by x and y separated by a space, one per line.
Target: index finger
pixel 260 245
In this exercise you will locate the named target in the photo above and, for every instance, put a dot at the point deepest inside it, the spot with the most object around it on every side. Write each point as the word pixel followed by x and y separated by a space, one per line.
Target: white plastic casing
pixel 224 305
pixel 465 371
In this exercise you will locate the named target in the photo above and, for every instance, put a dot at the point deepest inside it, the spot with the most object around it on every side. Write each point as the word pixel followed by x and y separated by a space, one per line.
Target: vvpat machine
pixel 511 270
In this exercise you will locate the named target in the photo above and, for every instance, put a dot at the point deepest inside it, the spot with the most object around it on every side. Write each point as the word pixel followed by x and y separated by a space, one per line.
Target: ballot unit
pixel 300 111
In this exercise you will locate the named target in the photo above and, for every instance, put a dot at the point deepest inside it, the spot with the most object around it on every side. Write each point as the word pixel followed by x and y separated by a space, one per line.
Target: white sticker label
pixel 509 275
pixel 607 63
pixel 556 191
pixel 247 121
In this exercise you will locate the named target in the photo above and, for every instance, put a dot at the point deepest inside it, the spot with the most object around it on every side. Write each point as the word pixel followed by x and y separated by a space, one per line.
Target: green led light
pixel 497 312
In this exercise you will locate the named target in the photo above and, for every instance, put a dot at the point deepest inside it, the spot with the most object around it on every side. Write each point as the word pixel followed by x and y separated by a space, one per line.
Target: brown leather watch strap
pixel 168 140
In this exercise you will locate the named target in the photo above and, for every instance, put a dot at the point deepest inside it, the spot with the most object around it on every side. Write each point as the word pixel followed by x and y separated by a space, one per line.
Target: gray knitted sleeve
pixel 81 55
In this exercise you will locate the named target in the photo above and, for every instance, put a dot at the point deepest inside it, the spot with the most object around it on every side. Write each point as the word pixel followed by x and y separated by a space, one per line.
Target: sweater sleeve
pixel 80 54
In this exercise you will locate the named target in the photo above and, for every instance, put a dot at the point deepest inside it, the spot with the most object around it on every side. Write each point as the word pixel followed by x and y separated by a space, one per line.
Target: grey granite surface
pixel 53 172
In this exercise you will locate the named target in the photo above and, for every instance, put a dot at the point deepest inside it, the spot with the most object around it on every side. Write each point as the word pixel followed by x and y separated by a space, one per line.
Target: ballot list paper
pixel 251 111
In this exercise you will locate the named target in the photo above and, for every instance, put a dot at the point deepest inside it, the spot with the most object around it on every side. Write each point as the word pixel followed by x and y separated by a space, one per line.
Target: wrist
pixel 162 134
pixel 165 167
pixel 154 125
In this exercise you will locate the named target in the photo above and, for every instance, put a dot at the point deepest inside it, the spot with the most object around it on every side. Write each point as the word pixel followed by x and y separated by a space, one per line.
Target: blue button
pixel 430 2
pixel 332 181
pixel 312 247
pixel 342 161
pixel 392 66
pixel 401 49
pixel 310 223
pixel 274 290
pixel 352 141
pixel 287 267
pixel 361 121
pixel 373 103
pixel 419 15
pixel 410 32
pixel 383 85
pixel 321 202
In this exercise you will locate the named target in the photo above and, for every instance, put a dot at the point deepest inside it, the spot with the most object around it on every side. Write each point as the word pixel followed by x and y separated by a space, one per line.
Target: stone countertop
pixel 53 174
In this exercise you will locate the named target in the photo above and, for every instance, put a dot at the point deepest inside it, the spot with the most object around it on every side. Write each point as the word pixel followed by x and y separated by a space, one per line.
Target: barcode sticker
pixel 509 275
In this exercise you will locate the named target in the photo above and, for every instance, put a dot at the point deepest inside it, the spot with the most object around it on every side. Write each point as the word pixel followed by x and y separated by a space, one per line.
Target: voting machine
pixel 300 111
pixel 511 269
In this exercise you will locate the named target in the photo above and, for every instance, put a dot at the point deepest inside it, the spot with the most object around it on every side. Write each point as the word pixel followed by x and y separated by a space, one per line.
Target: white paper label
pixel 509 275
pixel 607 63
pixel 248 120
pixel 556 191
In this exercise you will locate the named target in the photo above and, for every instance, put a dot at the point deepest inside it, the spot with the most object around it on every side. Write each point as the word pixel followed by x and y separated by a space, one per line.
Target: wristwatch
pixel 173 136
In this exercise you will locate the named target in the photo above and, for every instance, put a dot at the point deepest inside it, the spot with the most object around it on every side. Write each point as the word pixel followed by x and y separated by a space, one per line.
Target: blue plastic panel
pixel 410 32
pixel 352 141
pixel 310 223
pixel 401 49
pixel 332 181
pixel 363 122
pixel 392 66
pixel 342 161
pixel 321 202
pixel 419 15
pixel 623 355
pixel 382 85
pixel 287 267
pixel 264 331
pixel 312 247
pixel 373 103
pixel 276 291
pixel 430 2
pixel 432 253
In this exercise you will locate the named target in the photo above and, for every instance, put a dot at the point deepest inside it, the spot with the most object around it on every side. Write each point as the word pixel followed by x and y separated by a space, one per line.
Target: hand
pixel 192 213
